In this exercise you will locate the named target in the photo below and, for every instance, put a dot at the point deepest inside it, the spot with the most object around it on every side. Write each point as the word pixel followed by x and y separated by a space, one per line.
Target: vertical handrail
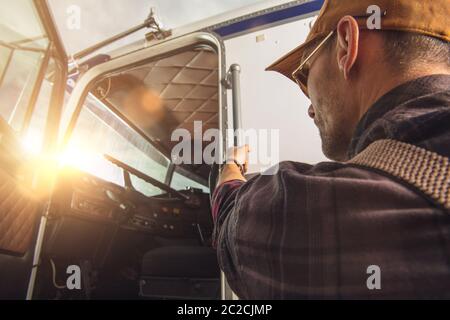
pixel 235 74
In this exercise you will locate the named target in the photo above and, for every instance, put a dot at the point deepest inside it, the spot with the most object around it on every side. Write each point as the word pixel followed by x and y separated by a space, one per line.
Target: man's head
pixel 355 67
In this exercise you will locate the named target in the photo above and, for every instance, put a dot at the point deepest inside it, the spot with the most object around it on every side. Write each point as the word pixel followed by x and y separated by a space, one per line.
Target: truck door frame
pixel 162 49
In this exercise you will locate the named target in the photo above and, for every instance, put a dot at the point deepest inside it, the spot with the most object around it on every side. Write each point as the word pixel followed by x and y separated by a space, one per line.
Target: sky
pixel 100 19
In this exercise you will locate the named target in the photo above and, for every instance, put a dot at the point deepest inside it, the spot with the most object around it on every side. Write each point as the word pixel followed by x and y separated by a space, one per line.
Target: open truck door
pixel 33 68
pixel 156 96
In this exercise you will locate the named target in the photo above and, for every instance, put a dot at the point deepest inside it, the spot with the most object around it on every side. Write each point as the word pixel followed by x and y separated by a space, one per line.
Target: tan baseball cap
pixel 428 17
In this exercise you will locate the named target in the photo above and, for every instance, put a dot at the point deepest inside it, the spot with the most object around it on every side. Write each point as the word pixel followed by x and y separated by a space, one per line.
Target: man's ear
pixel 347 44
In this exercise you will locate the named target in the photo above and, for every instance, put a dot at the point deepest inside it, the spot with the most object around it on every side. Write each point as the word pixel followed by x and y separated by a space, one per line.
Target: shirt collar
pixel 398 96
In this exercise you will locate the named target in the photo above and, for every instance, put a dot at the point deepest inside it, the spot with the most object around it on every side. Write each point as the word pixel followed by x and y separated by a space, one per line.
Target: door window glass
pixel 23 45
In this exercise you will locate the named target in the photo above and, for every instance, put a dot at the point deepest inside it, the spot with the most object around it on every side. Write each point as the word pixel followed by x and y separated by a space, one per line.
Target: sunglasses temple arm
pixel 314 51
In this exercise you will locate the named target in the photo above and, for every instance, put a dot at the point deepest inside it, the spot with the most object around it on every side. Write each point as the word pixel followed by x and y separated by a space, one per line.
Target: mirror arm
pixel 149 23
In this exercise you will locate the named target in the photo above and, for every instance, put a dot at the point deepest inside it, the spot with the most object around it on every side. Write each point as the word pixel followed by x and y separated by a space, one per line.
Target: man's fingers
pixel 240 154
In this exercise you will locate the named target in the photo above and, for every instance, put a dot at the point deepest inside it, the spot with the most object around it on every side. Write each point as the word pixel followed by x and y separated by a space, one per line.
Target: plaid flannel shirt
pixel 313 232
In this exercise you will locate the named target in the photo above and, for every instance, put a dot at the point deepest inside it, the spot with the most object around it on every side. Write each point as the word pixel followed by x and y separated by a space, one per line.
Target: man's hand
pixel 231 170
pixel 239 155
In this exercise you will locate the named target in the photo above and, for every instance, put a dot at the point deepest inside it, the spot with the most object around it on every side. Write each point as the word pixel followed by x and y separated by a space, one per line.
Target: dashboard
pixel 87 212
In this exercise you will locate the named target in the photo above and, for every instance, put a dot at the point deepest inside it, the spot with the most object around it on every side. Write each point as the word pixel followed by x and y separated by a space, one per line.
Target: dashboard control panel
pixel 87 197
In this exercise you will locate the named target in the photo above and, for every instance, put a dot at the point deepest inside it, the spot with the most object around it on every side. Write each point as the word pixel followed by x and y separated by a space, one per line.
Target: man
pixel 340 230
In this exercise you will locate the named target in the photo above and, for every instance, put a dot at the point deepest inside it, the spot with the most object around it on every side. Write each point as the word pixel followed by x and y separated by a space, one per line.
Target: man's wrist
pixel 237 164
pixel 229 172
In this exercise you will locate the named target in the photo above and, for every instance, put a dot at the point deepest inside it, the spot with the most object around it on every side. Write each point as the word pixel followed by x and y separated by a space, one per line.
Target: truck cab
pixel 94 203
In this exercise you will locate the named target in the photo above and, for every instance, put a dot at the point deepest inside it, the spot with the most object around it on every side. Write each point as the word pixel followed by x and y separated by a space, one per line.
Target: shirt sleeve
pixel 233 203
pixel 247 217
pixel 223 203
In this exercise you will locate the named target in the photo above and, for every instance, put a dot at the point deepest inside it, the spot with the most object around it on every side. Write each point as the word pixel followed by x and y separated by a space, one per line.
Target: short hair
pixel 405 49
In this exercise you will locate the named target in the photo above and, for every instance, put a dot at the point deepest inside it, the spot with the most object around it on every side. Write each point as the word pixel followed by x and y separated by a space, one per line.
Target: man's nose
pixel 311 112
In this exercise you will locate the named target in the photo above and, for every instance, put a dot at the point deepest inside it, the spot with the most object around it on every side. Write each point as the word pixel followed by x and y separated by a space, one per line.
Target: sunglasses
pixel 300 75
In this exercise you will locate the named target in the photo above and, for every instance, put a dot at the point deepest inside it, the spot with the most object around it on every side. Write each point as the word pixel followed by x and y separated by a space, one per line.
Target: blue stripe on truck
pixel 270 18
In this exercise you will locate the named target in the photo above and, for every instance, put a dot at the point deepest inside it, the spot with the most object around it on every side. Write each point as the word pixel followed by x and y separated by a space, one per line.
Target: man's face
pixel 330 104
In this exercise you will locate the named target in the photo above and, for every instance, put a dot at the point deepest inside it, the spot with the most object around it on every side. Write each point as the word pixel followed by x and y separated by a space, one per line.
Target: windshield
pixel 99 131
pixel 104 18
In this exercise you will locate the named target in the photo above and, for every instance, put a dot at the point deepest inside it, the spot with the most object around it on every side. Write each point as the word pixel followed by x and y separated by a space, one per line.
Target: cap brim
pixel 289 62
